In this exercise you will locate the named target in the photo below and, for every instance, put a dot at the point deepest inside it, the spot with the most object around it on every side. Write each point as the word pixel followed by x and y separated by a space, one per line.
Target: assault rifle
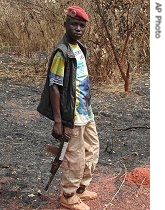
pixel 59 152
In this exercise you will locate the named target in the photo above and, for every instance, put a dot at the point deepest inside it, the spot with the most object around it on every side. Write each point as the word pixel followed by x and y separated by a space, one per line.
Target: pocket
pixel 72 132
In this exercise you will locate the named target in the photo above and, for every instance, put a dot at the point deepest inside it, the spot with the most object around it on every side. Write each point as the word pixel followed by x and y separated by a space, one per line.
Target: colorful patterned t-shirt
pixel 83 110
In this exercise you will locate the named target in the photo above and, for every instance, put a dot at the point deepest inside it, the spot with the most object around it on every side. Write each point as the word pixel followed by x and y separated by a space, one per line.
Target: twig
pixel 141 185
pixel 129 155
pixel 110 202
pixel 132 127
pixel 5 67
pixel 115 176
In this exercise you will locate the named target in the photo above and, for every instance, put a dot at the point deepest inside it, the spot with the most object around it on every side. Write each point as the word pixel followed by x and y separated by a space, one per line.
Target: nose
pixel 78 28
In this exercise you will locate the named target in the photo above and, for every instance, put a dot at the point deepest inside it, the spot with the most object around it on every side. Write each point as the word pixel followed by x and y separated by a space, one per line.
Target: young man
pixel 69 94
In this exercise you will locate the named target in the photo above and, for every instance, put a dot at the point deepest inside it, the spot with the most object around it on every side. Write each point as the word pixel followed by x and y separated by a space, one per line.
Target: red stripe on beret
pixel 76 11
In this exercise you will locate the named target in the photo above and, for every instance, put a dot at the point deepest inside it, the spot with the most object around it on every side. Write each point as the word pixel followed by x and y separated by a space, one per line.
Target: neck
pixel 71 40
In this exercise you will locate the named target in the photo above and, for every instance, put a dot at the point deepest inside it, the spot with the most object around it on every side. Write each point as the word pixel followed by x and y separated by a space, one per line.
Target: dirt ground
pixel 122 177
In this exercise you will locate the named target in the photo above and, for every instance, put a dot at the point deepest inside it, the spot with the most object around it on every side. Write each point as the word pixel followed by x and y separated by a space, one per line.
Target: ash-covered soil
pixel 123 122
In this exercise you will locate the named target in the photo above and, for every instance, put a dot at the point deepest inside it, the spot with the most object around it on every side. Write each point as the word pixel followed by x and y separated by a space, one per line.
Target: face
pixel 75 28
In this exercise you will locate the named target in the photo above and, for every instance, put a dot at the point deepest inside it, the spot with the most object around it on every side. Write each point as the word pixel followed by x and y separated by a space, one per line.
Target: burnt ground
pixel 123 122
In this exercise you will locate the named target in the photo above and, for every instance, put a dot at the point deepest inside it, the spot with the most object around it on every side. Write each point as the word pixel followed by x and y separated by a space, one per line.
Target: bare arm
pixel 55 102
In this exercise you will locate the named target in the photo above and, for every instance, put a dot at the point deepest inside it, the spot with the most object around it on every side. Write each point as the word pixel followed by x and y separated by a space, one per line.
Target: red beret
pixel 76 11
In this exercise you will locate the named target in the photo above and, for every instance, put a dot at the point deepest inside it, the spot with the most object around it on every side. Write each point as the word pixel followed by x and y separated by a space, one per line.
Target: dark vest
pixel 67 91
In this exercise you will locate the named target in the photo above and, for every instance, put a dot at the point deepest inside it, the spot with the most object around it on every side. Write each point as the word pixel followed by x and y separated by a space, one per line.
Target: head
pixel 75 23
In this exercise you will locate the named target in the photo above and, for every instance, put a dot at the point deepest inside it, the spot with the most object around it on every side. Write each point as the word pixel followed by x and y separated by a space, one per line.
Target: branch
pixel 133 127
pixel 110 202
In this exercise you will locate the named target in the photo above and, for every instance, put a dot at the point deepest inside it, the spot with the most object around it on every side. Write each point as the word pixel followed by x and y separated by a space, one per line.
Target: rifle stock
pixel 60 153
pixel 52 149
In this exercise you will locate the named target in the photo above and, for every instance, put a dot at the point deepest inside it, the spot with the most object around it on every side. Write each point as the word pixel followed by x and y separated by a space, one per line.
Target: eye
pixel 82 25
pixel 73 24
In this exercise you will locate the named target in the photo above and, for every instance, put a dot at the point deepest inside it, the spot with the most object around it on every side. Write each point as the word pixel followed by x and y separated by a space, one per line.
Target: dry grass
pixel 35 26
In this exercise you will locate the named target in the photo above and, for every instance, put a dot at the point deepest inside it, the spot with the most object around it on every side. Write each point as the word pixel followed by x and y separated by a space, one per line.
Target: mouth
pixel 78 34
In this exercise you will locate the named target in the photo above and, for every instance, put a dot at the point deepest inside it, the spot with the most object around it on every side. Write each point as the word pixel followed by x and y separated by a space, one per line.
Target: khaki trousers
pixel 80 158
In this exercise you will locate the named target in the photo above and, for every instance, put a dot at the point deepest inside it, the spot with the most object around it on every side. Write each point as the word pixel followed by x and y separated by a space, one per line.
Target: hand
pixel 57 130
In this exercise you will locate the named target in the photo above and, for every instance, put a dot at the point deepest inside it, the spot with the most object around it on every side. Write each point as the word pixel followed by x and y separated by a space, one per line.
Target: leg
pixel 72 170
pixel 74 161
pixel 91 143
